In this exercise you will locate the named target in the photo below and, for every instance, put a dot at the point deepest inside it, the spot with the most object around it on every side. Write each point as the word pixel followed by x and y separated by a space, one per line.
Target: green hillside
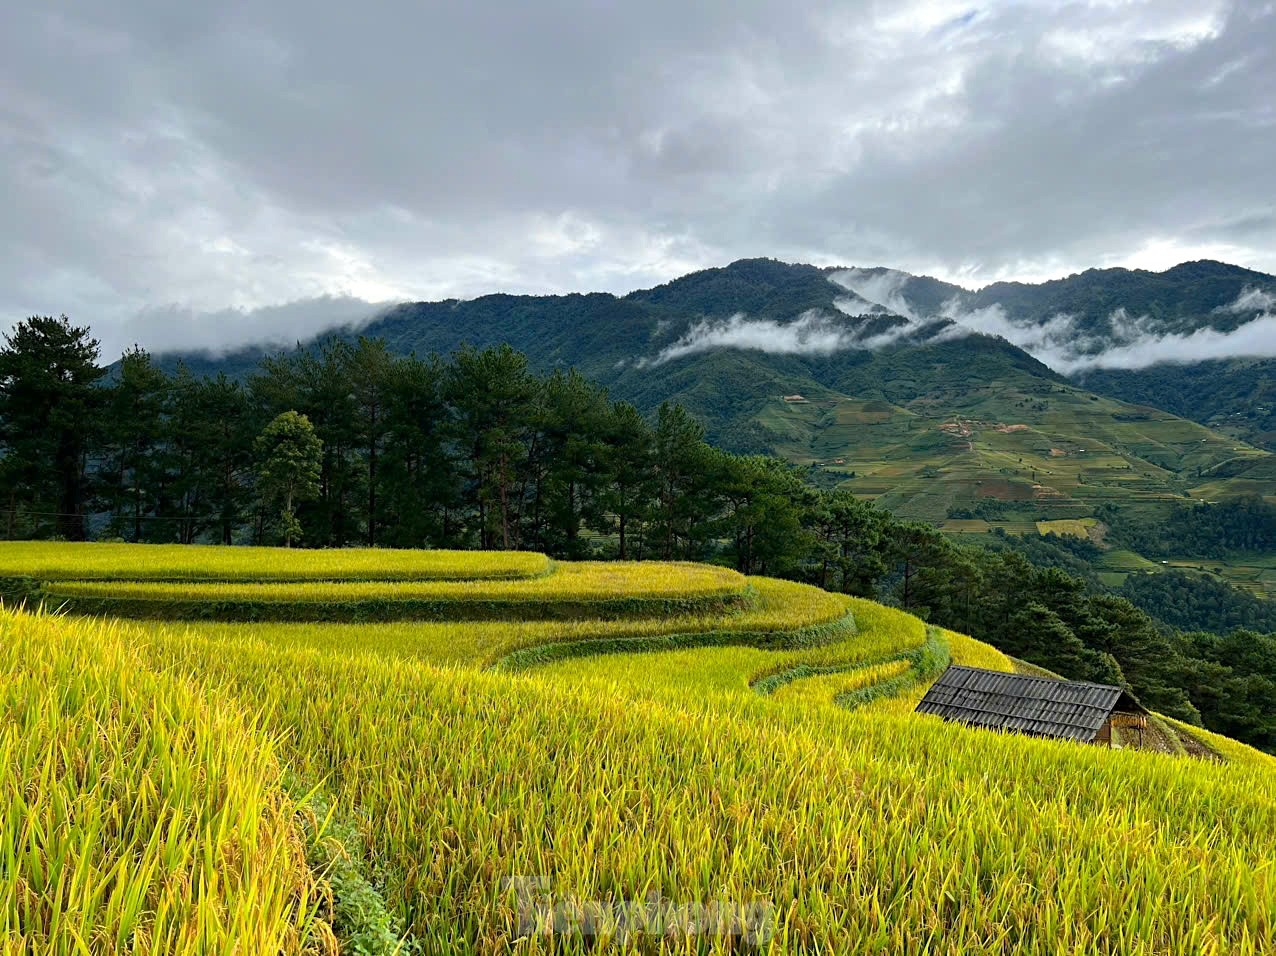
pixel 952 437
pixel 1235 397
pixel 751 772
pixel 1017 452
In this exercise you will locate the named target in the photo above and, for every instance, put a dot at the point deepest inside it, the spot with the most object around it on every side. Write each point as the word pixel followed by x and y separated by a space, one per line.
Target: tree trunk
pixel 137 507
pixel 70 520
pixel 372 477
pixel 226 484
pixel 503 482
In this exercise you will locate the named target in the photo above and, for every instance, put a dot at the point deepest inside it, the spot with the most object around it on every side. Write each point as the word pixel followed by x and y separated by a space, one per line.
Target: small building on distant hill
pixel 795 400
pixel 1037 706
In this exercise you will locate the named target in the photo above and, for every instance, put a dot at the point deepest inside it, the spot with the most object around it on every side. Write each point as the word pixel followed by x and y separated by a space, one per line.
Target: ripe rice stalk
pixel 135 815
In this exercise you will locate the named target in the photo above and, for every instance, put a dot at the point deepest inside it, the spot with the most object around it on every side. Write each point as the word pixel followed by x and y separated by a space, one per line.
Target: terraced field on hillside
pixel 739 755
pixel 1050 451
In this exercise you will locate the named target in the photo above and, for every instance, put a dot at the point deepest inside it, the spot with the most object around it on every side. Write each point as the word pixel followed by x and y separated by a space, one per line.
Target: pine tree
pixel 48 411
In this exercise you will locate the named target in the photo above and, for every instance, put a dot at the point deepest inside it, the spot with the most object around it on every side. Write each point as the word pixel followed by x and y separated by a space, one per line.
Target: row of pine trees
pixel 349 444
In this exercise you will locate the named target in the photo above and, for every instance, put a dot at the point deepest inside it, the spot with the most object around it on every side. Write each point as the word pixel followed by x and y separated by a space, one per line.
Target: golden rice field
pixel 781 608
pixel 165 787
pixel 58 561
pixel 137 814
pixel 584 581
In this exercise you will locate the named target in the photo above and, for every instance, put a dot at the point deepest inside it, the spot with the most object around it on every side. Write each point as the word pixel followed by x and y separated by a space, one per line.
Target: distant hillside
pixel 1184 298
pixel 1233 396
pixel 907 388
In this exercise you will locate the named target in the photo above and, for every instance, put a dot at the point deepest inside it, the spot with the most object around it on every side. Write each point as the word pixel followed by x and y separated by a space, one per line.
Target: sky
pixel 212 174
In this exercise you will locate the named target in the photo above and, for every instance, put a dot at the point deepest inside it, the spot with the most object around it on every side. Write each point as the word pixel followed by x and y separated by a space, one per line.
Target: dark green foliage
pixel 49 406
pixel 1232 681
pixel 288 452
pixel 132 440
pixel 1205 530
pixel 1195 602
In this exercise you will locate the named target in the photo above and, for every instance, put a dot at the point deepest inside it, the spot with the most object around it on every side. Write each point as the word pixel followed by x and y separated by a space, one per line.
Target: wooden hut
pixel 1037 706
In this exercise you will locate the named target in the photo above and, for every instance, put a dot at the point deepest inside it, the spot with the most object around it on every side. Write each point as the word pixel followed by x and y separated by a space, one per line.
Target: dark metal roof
pixel 1038 706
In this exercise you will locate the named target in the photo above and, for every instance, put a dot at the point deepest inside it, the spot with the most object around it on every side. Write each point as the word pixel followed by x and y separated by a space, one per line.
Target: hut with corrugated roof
pixel 1037 706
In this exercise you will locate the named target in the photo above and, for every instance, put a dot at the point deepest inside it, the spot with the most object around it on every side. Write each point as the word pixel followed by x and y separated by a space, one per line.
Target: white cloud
pixel 1254 339
pixel 883 288
pixel 811 333
pixel 1131 342
pixel 1250 300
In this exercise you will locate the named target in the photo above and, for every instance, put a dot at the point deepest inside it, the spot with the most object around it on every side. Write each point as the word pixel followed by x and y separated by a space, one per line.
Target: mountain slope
pixel 1234 396
pixel 902 394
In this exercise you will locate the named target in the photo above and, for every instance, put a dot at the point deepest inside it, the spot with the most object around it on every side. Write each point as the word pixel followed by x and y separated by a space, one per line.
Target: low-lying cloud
pixel 1130 342
pixel 873 291
pixel 1062 342
pixel 1250 300
pixel 1254 339
pixel 812 333
pixel 174 329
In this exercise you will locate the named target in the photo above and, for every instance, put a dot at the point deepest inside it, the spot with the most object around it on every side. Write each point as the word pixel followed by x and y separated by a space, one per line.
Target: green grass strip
pixel 335 852
pixel 382 609
pixel 812 635
pixel 927 662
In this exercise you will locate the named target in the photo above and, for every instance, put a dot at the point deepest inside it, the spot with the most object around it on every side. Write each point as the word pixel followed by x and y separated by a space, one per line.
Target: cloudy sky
pixel 166 168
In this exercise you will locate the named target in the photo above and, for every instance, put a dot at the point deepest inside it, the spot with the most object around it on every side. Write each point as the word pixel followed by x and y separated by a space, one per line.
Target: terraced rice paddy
pixel 60 561
pixel 507 786
pixel 1054 450
pixel 566 590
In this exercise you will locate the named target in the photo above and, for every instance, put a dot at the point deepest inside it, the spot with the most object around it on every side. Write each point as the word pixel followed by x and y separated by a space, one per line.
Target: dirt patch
pixel 1057 453
pixel 1046 492
pixel 1007 429
pixel 1195 747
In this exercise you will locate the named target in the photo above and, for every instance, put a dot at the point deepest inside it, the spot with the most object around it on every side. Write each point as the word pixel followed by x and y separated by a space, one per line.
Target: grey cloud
pixel 174 328
pixel 245 155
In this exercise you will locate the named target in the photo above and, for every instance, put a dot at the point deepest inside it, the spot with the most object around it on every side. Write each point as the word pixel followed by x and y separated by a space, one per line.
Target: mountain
pixel 940 401
pixel 1181 299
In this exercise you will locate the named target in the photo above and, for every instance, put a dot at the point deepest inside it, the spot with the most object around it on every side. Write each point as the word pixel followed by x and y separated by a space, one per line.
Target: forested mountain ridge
pixel 905 390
